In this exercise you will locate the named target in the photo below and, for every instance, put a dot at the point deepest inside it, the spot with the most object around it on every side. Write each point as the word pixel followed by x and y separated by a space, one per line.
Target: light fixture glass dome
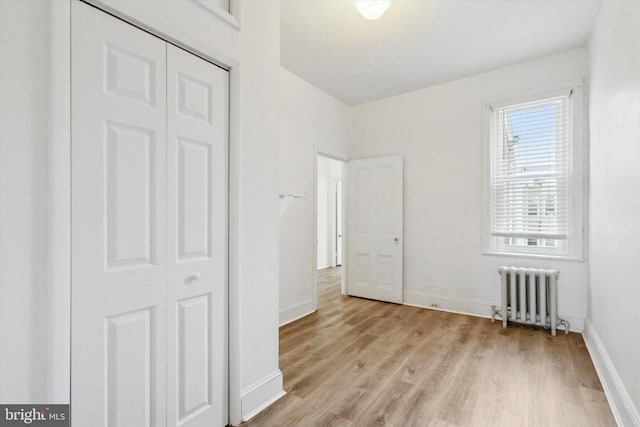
pixel 372 9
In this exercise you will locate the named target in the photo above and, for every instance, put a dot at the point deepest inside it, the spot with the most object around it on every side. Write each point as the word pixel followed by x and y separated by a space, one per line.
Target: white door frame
pixel 60 191
pixel 314 273
pixel 339 236
pixel 334 220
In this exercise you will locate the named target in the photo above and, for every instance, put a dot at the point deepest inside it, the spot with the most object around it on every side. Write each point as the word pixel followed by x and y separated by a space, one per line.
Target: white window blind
pixel 529 171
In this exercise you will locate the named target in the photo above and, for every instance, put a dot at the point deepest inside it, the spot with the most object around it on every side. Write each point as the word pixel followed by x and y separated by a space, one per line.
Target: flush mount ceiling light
pixel 372 9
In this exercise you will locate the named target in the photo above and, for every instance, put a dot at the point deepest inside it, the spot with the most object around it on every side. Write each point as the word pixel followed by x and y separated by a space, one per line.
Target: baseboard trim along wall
pixel 471 307
pixel 624 411
pixel 260 395
pixel 296 312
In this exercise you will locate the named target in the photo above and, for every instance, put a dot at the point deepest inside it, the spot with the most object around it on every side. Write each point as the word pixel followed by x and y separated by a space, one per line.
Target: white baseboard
pixel 261 394
pixel 294 313
pixel 622 406
pixel 471 307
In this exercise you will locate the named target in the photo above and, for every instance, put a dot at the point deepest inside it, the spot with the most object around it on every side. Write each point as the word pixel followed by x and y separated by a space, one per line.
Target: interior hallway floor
pixel 357 362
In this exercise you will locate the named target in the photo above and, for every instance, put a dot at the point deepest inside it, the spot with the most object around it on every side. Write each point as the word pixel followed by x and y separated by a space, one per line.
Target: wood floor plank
pixel 357 362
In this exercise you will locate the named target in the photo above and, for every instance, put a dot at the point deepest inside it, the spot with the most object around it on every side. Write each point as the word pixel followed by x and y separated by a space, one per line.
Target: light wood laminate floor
pixel 357 362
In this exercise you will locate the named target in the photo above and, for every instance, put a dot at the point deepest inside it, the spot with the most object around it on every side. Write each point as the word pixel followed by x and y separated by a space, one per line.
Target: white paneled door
pixel 119 309
pixel 149 203
pixel 375 228
pixel 197 94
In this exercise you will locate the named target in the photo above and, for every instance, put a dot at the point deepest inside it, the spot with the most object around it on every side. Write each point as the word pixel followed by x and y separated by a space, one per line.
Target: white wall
pixel 24 241
pixel 310 121
pixel 438 131
pixel 613 323
pixel 253 54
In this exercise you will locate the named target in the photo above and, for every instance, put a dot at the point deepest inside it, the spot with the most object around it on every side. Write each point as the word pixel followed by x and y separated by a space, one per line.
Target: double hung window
pixel 535 174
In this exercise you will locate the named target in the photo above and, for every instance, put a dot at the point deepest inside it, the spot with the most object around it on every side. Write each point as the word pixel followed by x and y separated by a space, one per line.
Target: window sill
pixel 536 256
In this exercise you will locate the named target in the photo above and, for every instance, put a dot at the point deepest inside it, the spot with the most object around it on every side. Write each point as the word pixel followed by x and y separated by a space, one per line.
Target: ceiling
pixel 419 43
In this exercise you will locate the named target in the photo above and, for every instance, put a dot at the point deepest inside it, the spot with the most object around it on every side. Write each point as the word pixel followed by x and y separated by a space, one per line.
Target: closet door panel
pixel 118 223
pixel 197 138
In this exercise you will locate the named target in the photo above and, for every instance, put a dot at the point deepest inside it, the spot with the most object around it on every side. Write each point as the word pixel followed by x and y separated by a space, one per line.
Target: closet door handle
pixel 193 278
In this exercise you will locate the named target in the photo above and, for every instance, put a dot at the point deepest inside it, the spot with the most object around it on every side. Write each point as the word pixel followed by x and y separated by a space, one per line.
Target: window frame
pixel 573 248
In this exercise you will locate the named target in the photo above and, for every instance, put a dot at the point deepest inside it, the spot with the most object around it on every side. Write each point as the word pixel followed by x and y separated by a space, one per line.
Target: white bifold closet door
pixel 149 239
pixel 197 109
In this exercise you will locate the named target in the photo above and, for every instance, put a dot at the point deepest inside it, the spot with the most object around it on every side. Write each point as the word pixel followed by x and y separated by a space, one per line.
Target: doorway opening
pixel 329 226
